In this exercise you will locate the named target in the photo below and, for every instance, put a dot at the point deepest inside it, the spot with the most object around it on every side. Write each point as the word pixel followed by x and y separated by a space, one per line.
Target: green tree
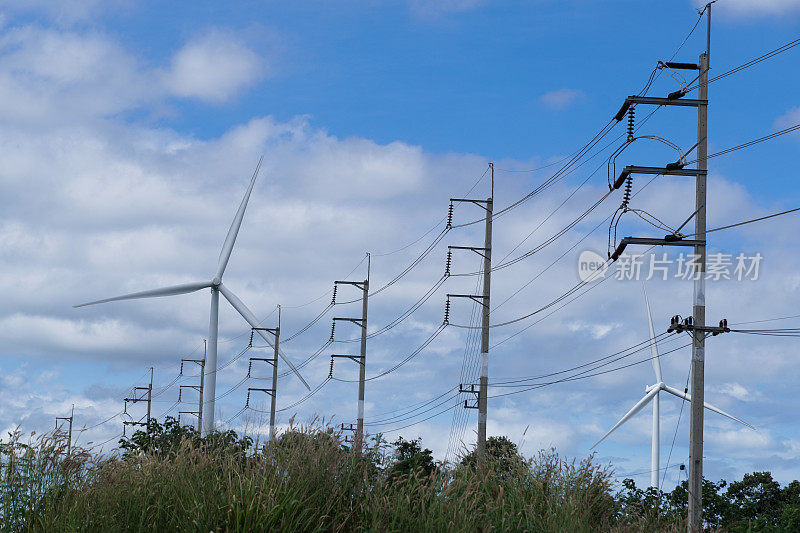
pixel 756 502
pixel 167 438
pixel 715 504
pixel 501 453
pixel 410 458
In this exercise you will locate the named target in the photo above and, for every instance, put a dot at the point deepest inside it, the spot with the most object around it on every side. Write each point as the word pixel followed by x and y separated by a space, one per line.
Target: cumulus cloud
pixel 561 98
pixel 214 68
pixel 49 75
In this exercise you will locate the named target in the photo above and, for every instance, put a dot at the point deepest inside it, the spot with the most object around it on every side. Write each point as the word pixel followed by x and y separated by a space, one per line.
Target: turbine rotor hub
pixel 216 282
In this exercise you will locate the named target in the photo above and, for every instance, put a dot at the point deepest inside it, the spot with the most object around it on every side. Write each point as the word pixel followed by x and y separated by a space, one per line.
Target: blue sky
pixel 130 130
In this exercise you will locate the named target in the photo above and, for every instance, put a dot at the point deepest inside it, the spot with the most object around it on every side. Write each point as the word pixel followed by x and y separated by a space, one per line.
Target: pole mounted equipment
pixel 652 395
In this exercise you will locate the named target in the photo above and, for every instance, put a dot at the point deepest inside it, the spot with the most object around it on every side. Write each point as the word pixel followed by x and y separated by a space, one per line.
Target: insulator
pixel 247 403
pixel 626 198
pixel 330 373
pixel 251 337
pixel 449 260
pixel 631 122
pixel 450 216
pixel 333 300
pixel 333 329
pixel 249 368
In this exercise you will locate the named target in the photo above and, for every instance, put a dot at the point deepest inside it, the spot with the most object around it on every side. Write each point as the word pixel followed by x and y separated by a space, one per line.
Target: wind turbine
pixel 652 394
pixel 216 287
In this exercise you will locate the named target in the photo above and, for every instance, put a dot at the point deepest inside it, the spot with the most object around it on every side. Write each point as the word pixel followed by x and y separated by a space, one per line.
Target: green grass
pixel 305 482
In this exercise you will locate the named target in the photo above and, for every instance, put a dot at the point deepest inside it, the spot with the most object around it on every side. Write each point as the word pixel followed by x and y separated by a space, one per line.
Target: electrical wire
pixel 636 347
pixel 406 314
pixel 779 133
pixel 764 320
pixel 407 409
pixel 586 376
pixel 759 59
pixel 403 361
pixel 759 219
pixel 677 425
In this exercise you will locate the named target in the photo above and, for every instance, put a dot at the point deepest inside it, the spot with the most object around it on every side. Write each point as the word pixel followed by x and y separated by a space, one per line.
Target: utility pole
pixel 362 358
pixel 487 281
pixel 274 380
pixel 484 300
pixel 272 392
pixel 199 388
pixel 202 386
pixel 699 304
pixel 69 433
pixel 698 320
pixel 149 399
pixel 141 394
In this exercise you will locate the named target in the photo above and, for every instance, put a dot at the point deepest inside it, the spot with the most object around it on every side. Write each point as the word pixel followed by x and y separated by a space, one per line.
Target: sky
pixel 130 131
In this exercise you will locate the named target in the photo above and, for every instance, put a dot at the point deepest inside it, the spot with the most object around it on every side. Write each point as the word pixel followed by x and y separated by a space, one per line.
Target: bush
pixel 308 480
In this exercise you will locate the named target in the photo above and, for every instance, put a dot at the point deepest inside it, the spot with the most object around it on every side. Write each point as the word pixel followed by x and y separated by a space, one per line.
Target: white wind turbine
pixel 216 287
pixel 652 394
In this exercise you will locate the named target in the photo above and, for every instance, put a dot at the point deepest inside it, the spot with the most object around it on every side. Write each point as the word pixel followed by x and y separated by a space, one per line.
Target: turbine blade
pixel 707 405
pixel 253 321
pixel 635 409
pixel 155 293
pixel 653 349
pixel 230 239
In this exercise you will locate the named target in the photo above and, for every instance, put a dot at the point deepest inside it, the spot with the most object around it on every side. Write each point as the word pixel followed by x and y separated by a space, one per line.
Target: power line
pixel 586 376
pixel 759 59
pixel 759 219
pixel 403 361
pixel 645 344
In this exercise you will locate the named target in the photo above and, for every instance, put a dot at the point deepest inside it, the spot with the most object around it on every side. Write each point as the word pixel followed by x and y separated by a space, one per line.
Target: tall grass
pixel 306 481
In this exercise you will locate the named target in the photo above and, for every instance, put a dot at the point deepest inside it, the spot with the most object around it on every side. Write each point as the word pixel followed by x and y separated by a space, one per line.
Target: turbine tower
pixel 216 287
pixel 652 393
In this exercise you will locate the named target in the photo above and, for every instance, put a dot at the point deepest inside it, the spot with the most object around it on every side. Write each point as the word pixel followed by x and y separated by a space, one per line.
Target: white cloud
pixel 214 68
pixel 561 98
pixel 48 75
pixel 790 118
pixel 70 76
pixel 737 391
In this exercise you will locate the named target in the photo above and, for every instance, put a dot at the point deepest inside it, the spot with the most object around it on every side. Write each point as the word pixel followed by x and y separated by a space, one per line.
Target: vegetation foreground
pixel 309 480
